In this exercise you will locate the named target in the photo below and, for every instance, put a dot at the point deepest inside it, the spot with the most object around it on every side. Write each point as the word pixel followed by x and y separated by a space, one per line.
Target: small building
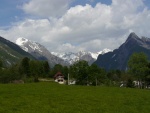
pixel 59 77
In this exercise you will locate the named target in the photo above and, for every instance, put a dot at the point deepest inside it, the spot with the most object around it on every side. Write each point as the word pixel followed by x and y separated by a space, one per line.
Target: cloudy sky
pixel 74 25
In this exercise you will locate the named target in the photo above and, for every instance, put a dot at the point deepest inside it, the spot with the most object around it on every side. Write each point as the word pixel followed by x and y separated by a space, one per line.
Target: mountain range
pixel 118 58
pixel 41 53
pixel 11 53
pixel 71 57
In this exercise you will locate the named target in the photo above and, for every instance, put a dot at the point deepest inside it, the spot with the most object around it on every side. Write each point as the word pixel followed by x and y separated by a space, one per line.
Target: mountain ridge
pixel 10 53
pixel 71 57
pixel 39 51
pixel 118 58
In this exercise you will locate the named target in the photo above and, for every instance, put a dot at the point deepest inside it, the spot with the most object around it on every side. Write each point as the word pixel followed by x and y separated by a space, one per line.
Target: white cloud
pixel 66 47
pixel 85 27
pixel 46 8
pixel 96 44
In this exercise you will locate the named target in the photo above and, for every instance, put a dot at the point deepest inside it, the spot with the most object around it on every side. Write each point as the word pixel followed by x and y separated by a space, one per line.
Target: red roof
pixel 58 74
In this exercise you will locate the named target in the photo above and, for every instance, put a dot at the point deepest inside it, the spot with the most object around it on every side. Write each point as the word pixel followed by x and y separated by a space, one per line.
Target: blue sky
pixel 11 9
pixel 74 24
pixel 92 2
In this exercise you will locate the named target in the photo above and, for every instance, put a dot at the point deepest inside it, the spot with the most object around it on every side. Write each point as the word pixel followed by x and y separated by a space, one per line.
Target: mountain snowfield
pixel 28 45
pixel 39 51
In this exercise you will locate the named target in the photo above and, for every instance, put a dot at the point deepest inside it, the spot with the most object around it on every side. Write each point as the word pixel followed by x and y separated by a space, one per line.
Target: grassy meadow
pixel 49 97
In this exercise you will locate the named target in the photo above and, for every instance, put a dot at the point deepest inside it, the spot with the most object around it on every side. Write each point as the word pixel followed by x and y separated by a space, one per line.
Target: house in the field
pixel 59 77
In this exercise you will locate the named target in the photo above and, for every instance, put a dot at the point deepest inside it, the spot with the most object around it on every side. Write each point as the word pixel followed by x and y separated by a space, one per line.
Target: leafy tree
pixel 79 71
pixel 24 66
pixel 137 65
pixel 93 74
pixel 96 75
pixel 10 74
pixel 147 78
pixel 65 72
pixel 114 75
pixel 35 69
pixel 46 68
pixel 58 67
pixel 1 64
pixel 14 73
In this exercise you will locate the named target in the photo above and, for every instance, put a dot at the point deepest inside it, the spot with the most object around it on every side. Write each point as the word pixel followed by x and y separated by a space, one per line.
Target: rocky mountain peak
pixel 119 57
pixel 132 34
pixel 132 37
pixel 132 41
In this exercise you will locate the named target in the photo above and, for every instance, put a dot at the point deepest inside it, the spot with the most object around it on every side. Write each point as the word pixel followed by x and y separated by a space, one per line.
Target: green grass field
pixel 46 97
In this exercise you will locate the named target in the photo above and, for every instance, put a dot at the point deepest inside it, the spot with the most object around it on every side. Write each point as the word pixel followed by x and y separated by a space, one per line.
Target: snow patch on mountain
pixel 68 57
pixel 29 46
pixel 95 55
pixel 39 51
pixel 81 55
pixel 20 41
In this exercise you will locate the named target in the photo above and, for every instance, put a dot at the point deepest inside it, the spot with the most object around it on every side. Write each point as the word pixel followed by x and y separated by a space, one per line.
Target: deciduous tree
pixel 138 66
pixel 79 70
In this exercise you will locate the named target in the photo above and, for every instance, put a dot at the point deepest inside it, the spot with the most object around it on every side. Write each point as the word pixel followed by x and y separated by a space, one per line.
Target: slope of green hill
pixel 11 53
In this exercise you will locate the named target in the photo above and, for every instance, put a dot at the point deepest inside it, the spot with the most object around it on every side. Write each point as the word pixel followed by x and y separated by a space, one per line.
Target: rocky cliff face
pixel 119 57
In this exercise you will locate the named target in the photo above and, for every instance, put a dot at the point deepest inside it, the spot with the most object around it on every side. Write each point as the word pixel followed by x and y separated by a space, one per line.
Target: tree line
pixel 31 70
pixel 27 70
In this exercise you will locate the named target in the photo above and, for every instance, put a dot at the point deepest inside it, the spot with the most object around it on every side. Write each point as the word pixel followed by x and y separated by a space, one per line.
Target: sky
pixel 74 25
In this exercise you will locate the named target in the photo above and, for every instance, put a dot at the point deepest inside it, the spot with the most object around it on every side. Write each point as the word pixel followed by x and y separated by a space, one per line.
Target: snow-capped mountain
pixel 39 51
pixel 95 55
pixel 30 46
pixel 82 55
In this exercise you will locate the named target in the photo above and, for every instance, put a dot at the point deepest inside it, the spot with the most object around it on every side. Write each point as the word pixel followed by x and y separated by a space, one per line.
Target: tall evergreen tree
pixel 24 66
pixel 1 64
pixel 46 68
